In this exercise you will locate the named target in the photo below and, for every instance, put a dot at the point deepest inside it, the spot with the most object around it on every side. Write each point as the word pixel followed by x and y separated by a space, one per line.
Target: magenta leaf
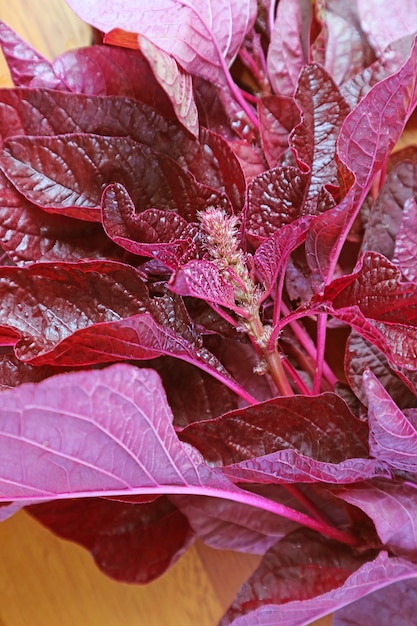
pixel 367 136
pixel 326 431
pixel 385 24
pixel 342 47
pixel 381 607
pixel 29 234
pixel 202 37
pixel 271 257
pixel 135 530
pixel 392 507
pixel 405 243
pixel 313 140
pixel 288 51
pixel 283 566
pixel 277 116
pixel 376 289
pixel 106 71
pixel 203 279
pixel 175 81
pixel 387 211
pixel 362 355
pixel 367 578
pixel 164 235
pixel 28 68
pixel 275 198
pixel 392 434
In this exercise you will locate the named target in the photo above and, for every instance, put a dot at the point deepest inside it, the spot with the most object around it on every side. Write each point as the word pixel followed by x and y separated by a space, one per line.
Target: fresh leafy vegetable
pixel 208 288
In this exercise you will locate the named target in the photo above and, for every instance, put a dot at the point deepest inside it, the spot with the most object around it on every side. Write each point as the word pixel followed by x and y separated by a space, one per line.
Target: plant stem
pixel 230 494
pixel 321 346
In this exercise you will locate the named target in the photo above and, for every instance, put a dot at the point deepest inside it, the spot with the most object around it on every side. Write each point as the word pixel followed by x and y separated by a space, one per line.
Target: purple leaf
pixel 361 355
pixel 132 543
pixel 367 136
pixel 97 312
pixel 393 509
pixel 386 23
pixel 272 256
pixel 29 234
pixel 288 51
pixel 176 83
pixel 203 37
pixel 381 607
pixel 277 117
pixel 313 140
pixel 387 211
pixel 210 160
pixel 275 198
pixel 369 577
pixel 342 47
pixel 27 67
pixel 321 428
pixel 392 435
pixel 69 172
pixel 280 579
pixel 203 279
pixel 405 244
pixel 106 71
pixel 164 235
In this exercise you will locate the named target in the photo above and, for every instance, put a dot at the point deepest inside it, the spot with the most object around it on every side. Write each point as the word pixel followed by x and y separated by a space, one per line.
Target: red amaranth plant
pixel 209 299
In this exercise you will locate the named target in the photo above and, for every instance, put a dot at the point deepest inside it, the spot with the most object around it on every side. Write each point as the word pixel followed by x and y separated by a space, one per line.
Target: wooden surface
pixel 45 581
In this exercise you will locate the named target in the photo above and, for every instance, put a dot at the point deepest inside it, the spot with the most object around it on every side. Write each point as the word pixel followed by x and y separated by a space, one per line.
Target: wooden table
pixel 45 581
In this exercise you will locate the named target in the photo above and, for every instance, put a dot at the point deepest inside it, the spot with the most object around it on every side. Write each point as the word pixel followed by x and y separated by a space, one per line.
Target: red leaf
pixel 133 543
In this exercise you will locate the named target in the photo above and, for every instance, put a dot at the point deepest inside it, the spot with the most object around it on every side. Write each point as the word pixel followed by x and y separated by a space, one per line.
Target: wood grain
pixel 45 581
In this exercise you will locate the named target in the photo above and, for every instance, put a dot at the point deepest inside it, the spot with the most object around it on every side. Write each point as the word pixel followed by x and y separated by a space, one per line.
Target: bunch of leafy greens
pixel 209 296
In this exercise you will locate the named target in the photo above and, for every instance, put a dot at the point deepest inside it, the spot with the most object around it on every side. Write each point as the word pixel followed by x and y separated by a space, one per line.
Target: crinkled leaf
pixel 392 508
pixel 323 111
pixel 226 525
pixel 387 211
pixel 210 160
pixel 361 355
pixel 406 242
pixel 70 172
pixel 321 428
pixel 367 136
pixel 28 68
pixel 392 434
pixel 132 543
pixel 29 234
pixel 281 578
pixel 377 290
pixel 271 257
pixel 384 23
pixel 381 607
pixel 106 71
pixel 96 312
pixel 203 279
pixel 202 36
pixel 275 198
pixel 164 235
pixel 342 46
pixel 368 577
pixel 277 117
pixel 288 50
